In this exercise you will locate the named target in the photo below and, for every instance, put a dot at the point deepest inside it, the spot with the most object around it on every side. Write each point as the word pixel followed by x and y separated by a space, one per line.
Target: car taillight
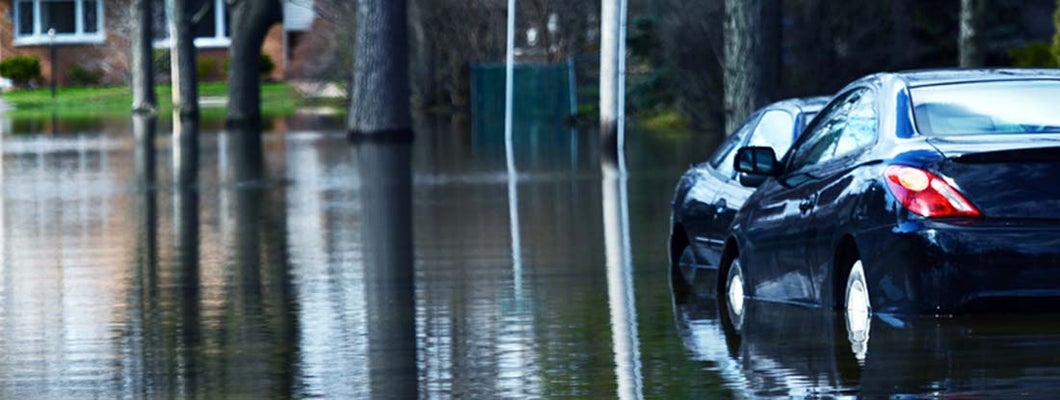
pixel 927 195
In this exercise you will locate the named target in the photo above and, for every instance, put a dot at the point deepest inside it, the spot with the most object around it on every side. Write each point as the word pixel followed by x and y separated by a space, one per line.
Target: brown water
pixel 387 271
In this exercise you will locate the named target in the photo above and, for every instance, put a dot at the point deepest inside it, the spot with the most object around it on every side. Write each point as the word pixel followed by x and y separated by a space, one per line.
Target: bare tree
pixel 752 57
pixel 380 94
pixel 182 59
pixel 970 47
pixel 143 78
pixel 251 20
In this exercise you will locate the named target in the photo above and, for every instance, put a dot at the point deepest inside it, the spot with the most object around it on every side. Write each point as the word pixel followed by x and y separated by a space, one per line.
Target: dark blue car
pixel 709 194
pixel 920 192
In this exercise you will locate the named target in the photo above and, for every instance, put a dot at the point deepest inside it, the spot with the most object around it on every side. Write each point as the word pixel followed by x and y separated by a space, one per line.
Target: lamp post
pixel 51 49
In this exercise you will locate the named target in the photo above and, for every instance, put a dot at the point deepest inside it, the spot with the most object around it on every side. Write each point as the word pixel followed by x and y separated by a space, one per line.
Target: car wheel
pixel 735 293
pixel 857 294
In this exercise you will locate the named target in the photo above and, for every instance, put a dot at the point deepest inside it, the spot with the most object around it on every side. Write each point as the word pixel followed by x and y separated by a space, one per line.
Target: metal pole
pixel 612 75
pixel 51 49
pixel 513 191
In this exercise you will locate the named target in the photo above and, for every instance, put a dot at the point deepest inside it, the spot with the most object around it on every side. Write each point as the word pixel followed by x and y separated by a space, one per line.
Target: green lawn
pixel 277 99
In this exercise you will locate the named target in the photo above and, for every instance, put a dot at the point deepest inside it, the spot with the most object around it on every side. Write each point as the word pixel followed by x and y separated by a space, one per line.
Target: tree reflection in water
pixel 385 172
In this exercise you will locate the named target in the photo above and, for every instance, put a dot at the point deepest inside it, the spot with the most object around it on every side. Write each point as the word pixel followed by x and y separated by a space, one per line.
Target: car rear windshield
pixel 1008 107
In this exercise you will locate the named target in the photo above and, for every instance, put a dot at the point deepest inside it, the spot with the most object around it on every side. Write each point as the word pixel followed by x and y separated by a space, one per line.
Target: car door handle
pixel 806 205
pixel 719 206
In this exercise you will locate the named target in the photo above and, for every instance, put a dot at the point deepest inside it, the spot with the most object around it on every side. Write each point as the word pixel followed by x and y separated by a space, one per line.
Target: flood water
pixel 321 268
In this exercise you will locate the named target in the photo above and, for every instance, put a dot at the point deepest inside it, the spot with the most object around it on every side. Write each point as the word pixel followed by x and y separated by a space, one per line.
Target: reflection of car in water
pixel 923 192
pixel 786 351
pixel 709 194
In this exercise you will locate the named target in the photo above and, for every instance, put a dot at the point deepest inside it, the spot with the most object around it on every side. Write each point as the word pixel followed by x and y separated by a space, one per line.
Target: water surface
pixel 325 269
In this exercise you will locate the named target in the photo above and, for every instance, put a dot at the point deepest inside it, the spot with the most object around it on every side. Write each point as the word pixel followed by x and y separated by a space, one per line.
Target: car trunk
pixel 1005 176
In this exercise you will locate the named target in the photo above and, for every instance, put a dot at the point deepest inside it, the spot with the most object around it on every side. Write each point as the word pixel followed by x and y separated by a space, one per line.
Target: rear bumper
pixel 932 267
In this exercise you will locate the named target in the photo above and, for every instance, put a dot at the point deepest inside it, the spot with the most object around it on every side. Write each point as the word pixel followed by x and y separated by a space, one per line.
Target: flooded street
pixel 382 270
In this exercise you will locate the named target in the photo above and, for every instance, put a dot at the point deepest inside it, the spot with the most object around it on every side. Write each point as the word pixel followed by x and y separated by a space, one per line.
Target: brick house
pixel 93 35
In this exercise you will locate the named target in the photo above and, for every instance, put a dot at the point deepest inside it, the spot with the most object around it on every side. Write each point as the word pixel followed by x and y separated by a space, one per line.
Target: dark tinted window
pixel 25 18
pixel 91 22
pixel 58 15
pixel 1011 107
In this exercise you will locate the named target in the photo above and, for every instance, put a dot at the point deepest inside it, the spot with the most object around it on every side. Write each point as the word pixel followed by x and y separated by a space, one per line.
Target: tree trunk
pixel 379 97
pixel 422 54
pixel 752 57
pixel 182 58
pixel 251 20
pixel 143 79
pixel 970 46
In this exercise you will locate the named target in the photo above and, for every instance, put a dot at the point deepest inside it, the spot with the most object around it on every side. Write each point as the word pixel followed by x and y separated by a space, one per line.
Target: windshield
pixel 1009 107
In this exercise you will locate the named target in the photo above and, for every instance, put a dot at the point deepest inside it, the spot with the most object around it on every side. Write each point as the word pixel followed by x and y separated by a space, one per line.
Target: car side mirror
pixel 756 161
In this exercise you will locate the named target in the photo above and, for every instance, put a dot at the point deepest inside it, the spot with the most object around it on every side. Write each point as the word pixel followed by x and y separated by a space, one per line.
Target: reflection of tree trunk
pixel 970 42
pixel 245 153
pixel 185 150
pixel 379 99
pixel 386 175
pixel 751 57
pixel 142 68
pixel 146 283
pixel 251 20
pixel 182 60
pixel 186 282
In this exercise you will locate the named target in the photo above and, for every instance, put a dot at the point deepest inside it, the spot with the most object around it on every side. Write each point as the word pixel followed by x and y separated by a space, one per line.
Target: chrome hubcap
pixel 736 294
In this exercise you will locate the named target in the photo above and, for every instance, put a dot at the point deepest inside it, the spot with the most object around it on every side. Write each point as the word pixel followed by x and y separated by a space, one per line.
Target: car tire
pixel 734 294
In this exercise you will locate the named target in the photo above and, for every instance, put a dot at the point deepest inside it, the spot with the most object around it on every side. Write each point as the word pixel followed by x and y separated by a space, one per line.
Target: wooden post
pixel 143 79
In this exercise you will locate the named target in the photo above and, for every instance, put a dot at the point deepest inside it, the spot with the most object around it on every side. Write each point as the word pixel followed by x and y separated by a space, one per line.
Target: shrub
pixel 265 65
pixel 208 69
pixel 1033 54
pixel 161 61
pixel 81 76
pixel 20 69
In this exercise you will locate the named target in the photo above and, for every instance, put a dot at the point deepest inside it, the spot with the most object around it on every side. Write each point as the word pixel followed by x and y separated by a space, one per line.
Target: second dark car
pixel 709 194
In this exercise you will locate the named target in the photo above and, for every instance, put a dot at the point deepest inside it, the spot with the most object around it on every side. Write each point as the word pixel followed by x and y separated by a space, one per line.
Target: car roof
pixel 930 77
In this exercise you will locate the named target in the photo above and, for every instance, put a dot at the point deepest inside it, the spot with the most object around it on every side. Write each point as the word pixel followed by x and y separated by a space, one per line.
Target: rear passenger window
pixel 847 126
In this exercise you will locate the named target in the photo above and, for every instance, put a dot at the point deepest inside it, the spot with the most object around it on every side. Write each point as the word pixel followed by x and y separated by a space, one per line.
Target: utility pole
pixel 612 77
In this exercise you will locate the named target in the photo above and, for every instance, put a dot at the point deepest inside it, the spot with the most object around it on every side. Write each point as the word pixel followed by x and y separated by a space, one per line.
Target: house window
pixel 74 21
pixel 209 27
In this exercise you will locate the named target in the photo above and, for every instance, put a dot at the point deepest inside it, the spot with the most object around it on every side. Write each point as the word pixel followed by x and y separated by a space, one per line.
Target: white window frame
pixel 40 35
pixel 219 40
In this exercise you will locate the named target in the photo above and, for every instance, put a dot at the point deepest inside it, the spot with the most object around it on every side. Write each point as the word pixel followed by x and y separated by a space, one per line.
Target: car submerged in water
pixel 708 194
pixel 925 192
